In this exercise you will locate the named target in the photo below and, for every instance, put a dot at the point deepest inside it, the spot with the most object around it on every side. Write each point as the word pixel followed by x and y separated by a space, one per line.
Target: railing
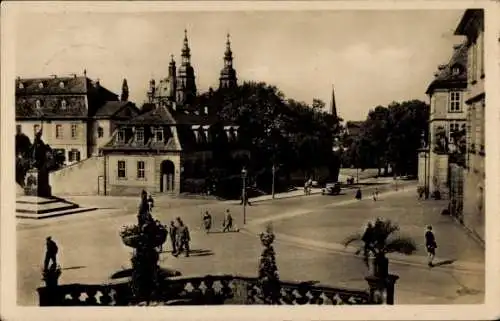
pixel 206 290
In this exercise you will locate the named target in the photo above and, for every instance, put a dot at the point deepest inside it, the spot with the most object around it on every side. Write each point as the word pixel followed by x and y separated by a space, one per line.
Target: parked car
pixel 331 189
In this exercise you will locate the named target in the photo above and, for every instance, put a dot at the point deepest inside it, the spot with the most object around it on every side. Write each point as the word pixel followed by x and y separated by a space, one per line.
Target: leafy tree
pixel 318 104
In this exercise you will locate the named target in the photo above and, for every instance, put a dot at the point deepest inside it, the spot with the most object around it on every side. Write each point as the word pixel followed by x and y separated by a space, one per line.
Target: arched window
pixel 38 104
pixel 61 84
pixel 21 85
pixel 40 85
pixel 63 104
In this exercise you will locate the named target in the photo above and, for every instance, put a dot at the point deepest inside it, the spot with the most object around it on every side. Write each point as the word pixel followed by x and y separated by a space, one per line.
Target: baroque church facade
pixel 172 145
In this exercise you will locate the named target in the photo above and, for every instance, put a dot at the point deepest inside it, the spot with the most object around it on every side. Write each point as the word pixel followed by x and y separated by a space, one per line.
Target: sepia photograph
pixel 170 156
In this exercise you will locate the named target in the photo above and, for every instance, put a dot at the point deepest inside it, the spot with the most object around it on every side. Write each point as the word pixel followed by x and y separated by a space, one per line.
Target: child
pixel 430 244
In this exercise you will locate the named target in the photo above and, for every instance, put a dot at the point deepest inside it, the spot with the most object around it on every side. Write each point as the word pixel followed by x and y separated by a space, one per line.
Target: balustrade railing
pixel 203 290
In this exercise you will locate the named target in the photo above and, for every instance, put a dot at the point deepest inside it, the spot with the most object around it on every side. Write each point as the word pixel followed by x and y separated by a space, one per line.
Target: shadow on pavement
pixel 445 262
pixel 165 272
pixel 200 253
pixel 73 268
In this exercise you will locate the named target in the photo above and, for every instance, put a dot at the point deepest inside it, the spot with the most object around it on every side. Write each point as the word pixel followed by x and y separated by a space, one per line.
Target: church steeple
pixel 186 83
pixel 333 106
pixel 228 74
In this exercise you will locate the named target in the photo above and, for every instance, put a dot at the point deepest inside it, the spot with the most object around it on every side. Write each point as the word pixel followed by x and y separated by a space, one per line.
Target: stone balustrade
pixel 202 290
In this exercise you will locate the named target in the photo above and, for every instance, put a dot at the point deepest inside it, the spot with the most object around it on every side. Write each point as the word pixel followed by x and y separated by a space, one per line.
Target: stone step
pixel 25 199
pixel 43 208
pixel 37 216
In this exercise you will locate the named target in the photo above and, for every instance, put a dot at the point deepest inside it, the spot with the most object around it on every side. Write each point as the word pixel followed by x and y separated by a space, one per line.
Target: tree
pixel 381 241
pixel 318 104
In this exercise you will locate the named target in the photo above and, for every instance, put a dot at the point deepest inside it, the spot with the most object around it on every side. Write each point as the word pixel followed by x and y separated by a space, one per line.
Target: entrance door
pixel 167 183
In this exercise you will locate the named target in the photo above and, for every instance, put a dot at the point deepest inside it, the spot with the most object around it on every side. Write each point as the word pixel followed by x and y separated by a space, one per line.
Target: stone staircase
pixel 36 207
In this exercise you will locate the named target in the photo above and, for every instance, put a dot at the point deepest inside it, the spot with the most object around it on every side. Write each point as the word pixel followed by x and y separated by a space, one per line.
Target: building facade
pixel 172 145
pixel 448 116
pixel 75 114
pixel 472 27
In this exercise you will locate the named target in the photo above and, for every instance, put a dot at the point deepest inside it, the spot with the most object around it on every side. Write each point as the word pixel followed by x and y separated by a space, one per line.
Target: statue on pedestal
pixel 36 181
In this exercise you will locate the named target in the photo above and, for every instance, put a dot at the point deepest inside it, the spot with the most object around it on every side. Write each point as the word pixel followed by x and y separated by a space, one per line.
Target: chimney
pixel 84 72
pixel 97 83
pixel 441 67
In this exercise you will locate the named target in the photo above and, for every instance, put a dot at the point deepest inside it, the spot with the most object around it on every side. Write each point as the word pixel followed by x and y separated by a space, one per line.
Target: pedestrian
pixel 173 237
pixel 183 238
pixel 50 254
pixel 358 194
pixel 228 222
pixel 431 245
pixel 143 209
pixel 207 221
pixel 150 203
pixel 368 241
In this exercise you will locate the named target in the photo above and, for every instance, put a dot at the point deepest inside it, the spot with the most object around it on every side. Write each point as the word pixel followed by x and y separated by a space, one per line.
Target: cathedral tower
pixel 186 84
pixel 333 106
pixel 228 74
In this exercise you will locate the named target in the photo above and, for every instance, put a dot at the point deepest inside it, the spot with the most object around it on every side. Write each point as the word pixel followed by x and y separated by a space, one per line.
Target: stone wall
pixel 474 204
pixel 438 173
pixel 81 178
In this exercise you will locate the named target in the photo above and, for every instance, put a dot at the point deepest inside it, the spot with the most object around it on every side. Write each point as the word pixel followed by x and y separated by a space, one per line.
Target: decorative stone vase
pixel 153 234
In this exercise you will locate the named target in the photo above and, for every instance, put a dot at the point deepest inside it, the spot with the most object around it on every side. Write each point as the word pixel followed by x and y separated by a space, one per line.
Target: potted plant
pixel 381 240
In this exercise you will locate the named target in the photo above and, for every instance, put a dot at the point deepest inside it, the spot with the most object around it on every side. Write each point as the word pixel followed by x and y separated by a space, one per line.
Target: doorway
pixel 167 175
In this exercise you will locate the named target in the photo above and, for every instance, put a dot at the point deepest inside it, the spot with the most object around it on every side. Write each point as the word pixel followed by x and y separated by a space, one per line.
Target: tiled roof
pixel 54 85
pixel 157 116
pixel 445 77
pixel 111 108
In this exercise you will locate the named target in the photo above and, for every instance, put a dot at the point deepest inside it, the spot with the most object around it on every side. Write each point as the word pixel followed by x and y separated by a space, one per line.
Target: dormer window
pixel 139 135
pixel 61 84
pixel 63 104
pixel 121 136
pixel 21 85
pixel 38 104
pixel 206 110
pixel 158 135
pixel 40 85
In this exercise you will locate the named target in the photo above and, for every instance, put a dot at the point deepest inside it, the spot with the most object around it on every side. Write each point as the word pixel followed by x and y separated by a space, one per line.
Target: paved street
pixel 309 229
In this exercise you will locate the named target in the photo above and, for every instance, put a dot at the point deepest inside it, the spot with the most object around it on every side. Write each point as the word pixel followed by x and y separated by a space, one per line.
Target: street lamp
pixel 272 187
pixel 243 195
pixel 426 193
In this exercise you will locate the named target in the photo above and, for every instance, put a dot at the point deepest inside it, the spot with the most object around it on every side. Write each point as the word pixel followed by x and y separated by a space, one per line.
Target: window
pixel 140 169
pixel 100 132
pixel 74 131
pixel 38 104
pixel 63 104
pixel 454 127
pixel 455 101
pixel 59 132
pixel 21 85
pixel 158 134
pixel 74 155
pixel 19 129
pixel 40 85
pixel 455 71
pixel 139 135
pixel 122 171
pixel 61 84
pixel 36 129
pixel 121 136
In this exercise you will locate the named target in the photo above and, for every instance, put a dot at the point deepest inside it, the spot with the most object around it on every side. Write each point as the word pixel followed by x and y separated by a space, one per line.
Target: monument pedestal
pixel 38 202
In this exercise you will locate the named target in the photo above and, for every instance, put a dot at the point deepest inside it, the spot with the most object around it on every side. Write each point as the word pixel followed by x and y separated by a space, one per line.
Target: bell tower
pixel 227 77
pixel 186 82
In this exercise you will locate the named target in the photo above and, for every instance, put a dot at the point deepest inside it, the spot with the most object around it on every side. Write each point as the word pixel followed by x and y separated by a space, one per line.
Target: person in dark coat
pixel 207 221
pixel 228 222
pixel 431 245
pixel 172 231
pixel 50 254
pixel 151 203
pixel 143 209
pixel 183 237
pixel 358 194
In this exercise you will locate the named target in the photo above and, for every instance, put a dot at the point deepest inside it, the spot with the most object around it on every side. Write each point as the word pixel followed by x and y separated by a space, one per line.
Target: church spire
pixel 186 51
pixel 186 82
pixel 333 106
pixel 228 74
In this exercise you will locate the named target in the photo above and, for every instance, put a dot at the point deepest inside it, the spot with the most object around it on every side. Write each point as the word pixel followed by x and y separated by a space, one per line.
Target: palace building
pixel 75 114
pixel 171 146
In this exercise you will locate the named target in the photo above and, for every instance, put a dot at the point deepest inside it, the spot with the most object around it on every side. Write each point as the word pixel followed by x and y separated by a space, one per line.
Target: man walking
pixel 431 245
pixel 183 237
pixel 173 237
pixel 228 222
pixel 50 254
pixel 207 222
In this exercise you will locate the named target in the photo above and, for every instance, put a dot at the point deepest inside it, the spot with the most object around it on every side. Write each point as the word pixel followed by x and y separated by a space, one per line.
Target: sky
pixel 370 57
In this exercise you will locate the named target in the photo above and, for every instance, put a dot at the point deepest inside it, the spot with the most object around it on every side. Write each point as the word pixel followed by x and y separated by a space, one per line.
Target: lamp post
pixel 243 195
pixel 272 186
pixel 426 193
